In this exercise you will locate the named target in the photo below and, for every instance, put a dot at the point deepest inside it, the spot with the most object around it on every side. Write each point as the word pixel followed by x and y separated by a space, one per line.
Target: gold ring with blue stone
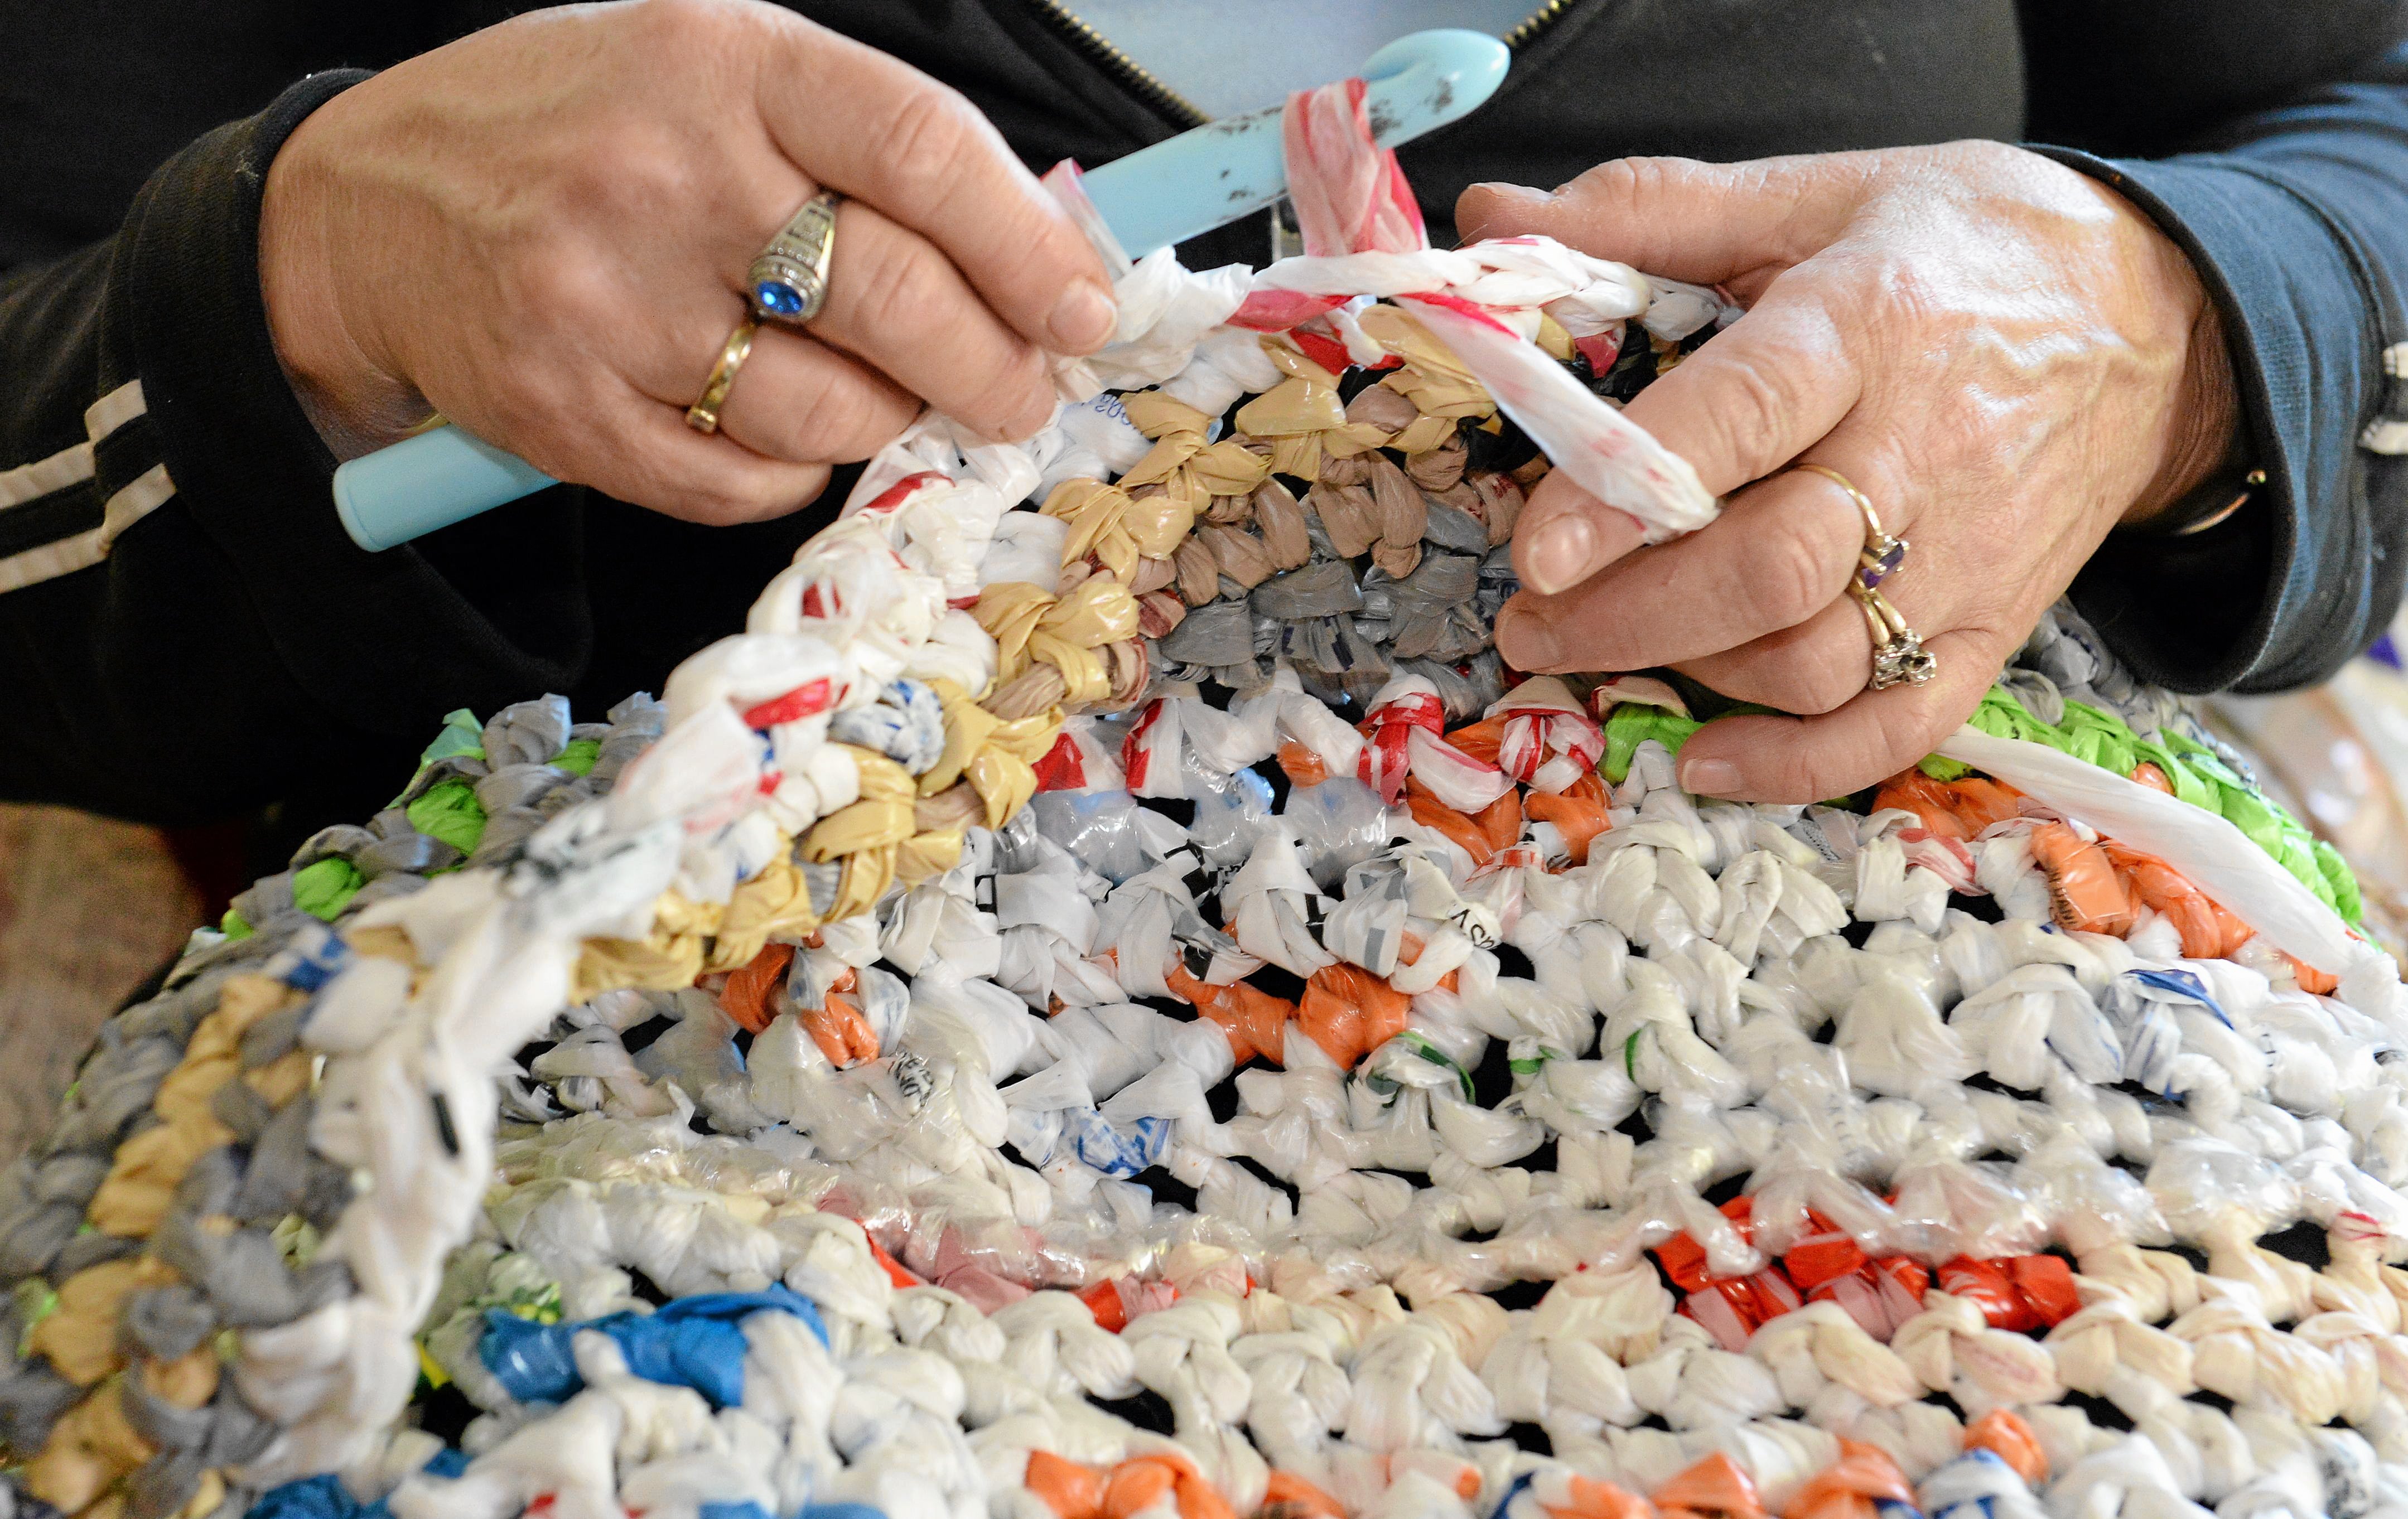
pixel 788 282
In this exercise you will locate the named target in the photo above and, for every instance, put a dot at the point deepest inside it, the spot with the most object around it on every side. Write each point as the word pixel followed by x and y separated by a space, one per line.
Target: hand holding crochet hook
pixel 542 231
pixel 564 349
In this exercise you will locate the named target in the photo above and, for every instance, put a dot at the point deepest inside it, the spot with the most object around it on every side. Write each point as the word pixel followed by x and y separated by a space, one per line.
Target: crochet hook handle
pixel 1233 167
pixel 1154 197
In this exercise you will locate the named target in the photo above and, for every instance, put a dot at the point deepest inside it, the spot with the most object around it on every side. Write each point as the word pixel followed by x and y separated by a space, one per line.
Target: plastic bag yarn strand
pixel 895 1015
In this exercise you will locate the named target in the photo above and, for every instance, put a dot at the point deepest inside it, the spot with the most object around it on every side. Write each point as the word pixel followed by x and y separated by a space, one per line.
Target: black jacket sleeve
pixel 184 628
pixel 2295 214
pixel 185 631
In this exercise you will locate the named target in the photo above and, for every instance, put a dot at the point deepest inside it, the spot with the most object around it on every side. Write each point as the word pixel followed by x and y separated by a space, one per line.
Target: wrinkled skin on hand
pixel 541 231
pixel 2004 356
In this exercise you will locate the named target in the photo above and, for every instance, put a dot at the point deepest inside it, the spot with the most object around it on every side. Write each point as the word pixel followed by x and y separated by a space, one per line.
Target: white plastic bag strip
pixel 1607 454
pixel 2217 857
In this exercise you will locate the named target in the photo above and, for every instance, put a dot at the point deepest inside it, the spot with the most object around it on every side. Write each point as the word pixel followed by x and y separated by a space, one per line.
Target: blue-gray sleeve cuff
pixel 2283 592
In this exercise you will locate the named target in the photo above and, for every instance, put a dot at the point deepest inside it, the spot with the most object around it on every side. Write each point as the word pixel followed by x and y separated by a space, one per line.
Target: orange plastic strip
pixel 1950 810
pixel 751 993
pixel 1849 1488
pixel 1069 1489
pixel 1580 813
pixel 1287 1495
pixel 1303 766
pixel 2084 894
pixel 1715 1488
pixel 1350 1012
pixel 838 1028
pixel 2004 1432
pixel 1253 1021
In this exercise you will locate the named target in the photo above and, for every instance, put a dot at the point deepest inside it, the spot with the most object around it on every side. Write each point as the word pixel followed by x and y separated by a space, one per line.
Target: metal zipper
pixel 1066 24
pixel 1086 40
pixel 1538 23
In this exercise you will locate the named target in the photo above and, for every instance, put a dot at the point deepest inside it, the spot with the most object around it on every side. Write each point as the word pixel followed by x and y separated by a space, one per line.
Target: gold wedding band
pixel 703 416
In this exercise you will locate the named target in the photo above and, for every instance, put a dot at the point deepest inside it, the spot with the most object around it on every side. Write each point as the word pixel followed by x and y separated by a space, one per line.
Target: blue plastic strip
pixel 1153 198
pixel 326 1497
pixel 692 1343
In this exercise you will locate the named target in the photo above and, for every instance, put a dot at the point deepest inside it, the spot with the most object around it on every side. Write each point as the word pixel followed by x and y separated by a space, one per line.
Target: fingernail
pixel 1560 553
pixel 1515 192
pixel 1709 777
pixel 1084 319
pixel 1529 643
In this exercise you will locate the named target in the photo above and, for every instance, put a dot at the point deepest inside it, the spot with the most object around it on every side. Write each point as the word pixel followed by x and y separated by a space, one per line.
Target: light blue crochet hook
pixel 1153 198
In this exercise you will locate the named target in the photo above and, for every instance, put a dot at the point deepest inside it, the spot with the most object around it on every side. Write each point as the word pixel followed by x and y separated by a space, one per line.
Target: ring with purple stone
pixel 1882 554
pixel 788 282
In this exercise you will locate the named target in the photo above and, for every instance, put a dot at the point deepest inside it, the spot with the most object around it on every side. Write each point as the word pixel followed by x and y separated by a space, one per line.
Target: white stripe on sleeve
pixel 32 481
pixel 73 467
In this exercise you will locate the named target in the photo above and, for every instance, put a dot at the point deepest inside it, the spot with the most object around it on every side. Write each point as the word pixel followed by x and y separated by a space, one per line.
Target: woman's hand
pixel 541 231
pixel 2004 356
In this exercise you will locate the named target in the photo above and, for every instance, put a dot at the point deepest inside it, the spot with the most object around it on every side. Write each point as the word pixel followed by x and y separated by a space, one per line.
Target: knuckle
pixel 906 292
pixel 1805 676
pixel 676 28
pixel 883 418
pixel 1849 755
pixel 1911 297
pixel 1626 183
pixel 1789 579
pixel 1757 398
pixel 644 483
pixel 930 131
pixel 762 490
pixel 1828 685
pixel 565 302
pixel 706 504
pixel 1971 157
pixel 1823 674
pixel 1014 390
pixel 640 169
pixel 693 485
pixel 1896 740
pixel 835 424
pixel 1801 775
pixel 734 495
pixel 684 19
pixel 1784 775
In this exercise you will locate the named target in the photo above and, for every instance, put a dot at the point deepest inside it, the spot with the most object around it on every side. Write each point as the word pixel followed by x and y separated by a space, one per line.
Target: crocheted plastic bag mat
pixel 1108 999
